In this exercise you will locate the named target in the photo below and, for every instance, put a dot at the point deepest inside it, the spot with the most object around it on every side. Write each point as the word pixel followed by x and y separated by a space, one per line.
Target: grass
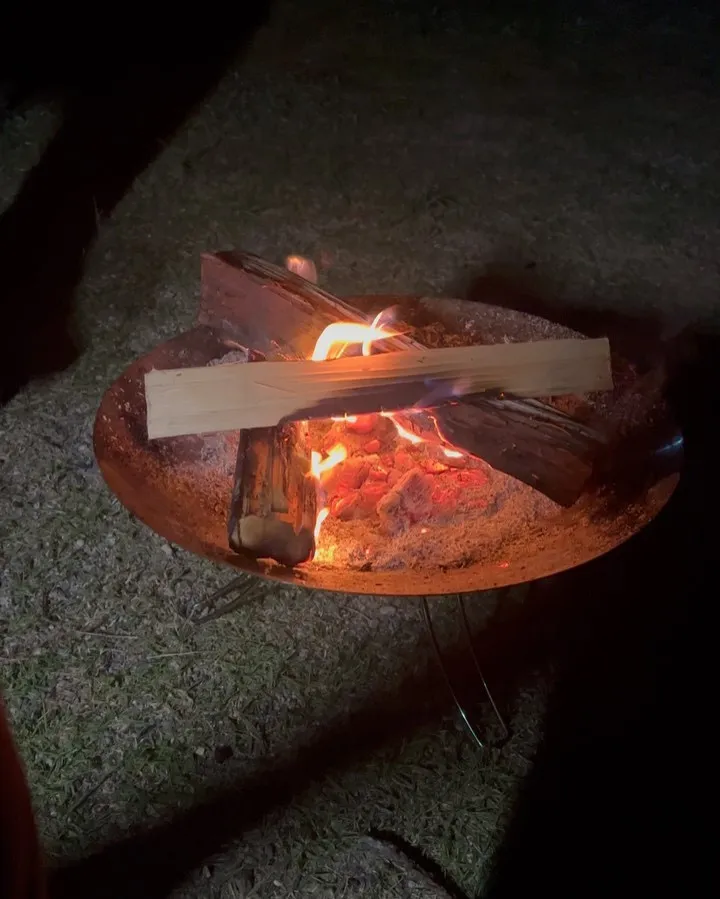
pixel 408 166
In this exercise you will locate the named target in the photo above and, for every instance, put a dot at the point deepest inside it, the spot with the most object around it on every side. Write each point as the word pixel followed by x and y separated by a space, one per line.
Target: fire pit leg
pixel 243 584
pixel 473 731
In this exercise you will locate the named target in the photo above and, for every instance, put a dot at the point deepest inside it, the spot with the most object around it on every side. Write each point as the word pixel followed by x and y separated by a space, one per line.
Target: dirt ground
pixel 408 151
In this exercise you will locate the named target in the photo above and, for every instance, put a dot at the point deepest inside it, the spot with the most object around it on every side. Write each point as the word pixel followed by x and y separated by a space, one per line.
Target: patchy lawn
pixel 409 153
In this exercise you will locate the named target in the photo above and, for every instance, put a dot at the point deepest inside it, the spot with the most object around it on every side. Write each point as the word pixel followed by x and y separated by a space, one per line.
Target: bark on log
pixel 272 510
pixel 555 467
pixel 273 505
pixel 264 305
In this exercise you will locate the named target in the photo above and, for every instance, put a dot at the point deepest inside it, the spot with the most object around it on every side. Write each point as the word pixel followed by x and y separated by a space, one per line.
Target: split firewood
pixel 264 394
pixel 273 502
pixel 263 305
pixel 273 505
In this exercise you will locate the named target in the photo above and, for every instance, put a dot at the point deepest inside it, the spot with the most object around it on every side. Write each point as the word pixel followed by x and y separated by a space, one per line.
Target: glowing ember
pixel 349 419
pixel 402 432
pixel 365 485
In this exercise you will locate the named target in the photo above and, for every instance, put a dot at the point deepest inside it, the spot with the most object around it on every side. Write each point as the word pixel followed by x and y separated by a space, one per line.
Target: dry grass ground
pixel 409 157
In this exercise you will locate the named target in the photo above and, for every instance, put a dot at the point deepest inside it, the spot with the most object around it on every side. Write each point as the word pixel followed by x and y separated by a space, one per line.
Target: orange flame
pixel 403 432
pixel 318 465
pixel 374 327
pixel 345 333
pixel 415 439
pixel 322 515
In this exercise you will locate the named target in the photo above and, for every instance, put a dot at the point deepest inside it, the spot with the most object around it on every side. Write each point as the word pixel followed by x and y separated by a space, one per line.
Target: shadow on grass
pixel 612 792
pixel 125 89
pixel 636 337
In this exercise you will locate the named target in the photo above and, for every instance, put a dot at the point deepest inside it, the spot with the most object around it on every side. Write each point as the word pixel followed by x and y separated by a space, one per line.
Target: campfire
pixel 383 490
pixel 474 448
pixel 351 454
pixel 375 476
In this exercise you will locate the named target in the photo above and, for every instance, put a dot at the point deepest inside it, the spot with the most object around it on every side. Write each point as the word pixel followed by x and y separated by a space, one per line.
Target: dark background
pixel 620 788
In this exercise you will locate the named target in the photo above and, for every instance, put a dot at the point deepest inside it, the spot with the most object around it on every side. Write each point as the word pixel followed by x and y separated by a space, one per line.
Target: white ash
pixel 234 356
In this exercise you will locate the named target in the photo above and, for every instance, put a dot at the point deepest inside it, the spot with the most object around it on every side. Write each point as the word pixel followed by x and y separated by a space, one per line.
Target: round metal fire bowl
pixel 176 488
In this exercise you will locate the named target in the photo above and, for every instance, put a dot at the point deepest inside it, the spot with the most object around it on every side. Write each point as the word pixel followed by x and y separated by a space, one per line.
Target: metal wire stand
pixel 451 683
pixel 249 588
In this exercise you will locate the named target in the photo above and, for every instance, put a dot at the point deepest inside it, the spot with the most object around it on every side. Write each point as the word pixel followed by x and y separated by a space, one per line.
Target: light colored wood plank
pixel 230 397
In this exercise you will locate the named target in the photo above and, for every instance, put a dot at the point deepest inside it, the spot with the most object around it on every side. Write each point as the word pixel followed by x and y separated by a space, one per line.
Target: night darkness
pixel 616 798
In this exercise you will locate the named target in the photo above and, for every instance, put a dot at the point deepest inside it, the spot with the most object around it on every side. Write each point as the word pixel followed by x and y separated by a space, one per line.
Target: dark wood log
pixel 272 509
pixel 273 505
pixel 266 306
pixel 555 467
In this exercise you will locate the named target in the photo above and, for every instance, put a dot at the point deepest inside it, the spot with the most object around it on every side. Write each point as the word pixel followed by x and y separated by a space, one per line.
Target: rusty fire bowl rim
pixel 124 455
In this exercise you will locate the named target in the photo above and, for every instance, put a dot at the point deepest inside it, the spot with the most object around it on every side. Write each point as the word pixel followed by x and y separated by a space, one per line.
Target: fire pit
pixel 402 509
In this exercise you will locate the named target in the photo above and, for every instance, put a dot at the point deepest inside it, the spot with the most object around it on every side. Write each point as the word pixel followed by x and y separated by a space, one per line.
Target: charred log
pixel 273 506
pixel 551 452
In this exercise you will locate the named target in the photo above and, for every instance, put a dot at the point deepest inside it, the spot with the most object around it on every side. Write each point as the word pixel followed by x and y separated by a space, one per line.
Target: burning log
pixel 227 397
pixel 262 304
pixel 273 506
pixel 558 451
